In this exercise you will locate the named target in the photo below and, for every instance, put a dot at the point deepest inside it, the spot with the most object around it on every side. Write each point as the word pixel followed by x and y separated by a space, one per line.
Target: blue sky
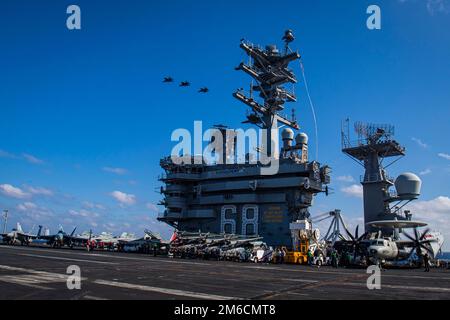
pixel 84 117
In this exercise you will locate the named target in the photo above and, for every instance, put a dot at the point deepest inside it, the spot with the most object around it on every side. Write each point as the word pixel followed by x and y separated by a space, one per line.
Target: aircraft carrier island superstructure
pixel 237 197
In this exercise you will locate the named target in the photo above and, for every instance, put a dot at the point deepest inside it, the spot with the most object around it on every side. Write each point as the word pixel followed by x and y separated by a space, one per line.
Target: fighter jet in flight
pixel 168 80
pixel 185 84
pixel 203 90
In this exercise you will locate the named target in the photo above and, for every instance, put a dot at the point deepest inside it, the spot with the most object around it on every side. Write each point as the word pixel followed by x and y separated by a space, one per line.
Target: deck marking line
pixel 390 286
pixel 73 252
pixel 174 292
pixel 66 259
pixel 88 297
pixel 18 281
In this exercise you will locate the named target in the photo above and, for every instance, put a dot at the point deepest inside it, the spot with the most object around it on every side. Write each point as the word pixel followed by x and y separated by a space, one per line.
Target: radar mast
pixel 270 71
pixel 375 143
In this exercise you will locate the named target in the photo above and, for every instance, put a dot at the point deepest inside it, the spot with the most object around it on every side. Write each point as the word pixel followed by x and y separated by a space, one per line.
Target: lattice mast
pixel 270 71
pixel 375 143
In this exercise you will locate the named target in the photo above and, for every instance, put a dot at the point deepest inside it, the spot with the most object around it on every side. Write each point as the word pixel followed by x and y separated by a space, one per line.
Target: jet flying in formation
pixel 184 84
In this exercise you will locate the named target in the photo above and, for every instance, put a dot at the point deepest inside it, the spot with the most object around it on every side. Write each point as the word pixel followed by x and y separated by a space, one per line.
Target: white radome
pixel 408 185
pixel 287 134
pixel 301 138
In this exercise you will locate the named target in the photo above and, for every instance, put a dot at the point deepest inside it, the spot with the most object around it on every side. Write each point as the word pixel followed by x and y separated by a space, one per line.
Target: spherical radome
pixel 287 134
pixel 301 138
pixel 408 185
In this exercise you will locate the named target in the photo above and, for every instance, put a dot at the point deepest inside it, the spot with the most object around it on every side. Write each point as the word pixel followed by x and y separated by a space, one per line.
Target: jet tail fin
pixel 19 227
pixel 73 232
pixel 39 232
pixel 173 237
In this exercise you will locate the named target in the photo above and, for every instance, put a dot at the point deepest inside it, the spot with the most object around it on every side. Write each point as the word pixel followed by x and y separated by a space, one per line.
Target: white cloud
pixel 355 190
pixel 40 191
pixel 68 221
pixel 13 192
pixel 420 143
pixel 433 6
pixel 18 193
pixel 25 156
pixel 91 205
pixel 83 213
pixel 438 205
pixel 444 155
pixel 26 206
pixel 440 6
pixel 425 172
pixel 124 198
pixel 152 207
pixel 435 212
pixel 110 227
pixel 32 159
pixel 5 154
pixel 118 171
pixel 85 218
pixel 348 179
pixel 35 214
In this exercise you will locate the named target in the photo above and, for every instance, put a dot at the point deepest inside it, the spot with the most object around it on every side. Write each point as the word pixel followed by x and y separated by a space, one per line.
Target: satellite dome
pixel 301 138
pixel 287 134
pixel 408 185
pixel 288 36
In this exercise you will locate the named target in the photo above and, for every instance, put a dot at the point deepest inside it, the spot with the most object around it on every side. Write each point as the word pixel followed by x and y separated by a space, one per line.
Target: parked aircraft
pixel 18 236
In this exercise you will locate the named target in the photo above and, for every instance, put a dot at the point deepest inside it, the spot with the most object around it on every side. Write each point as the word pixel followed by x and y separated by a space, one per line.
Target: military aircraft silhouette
pixel 185 84
pixel 62 239
pixel 203 90
pixel 18 236
pixel 168 80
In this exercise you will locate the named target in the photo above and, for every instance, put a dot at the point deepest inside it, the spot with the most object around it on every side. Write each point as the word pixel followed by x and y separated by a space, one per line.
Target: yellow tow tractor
pixel 301 232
